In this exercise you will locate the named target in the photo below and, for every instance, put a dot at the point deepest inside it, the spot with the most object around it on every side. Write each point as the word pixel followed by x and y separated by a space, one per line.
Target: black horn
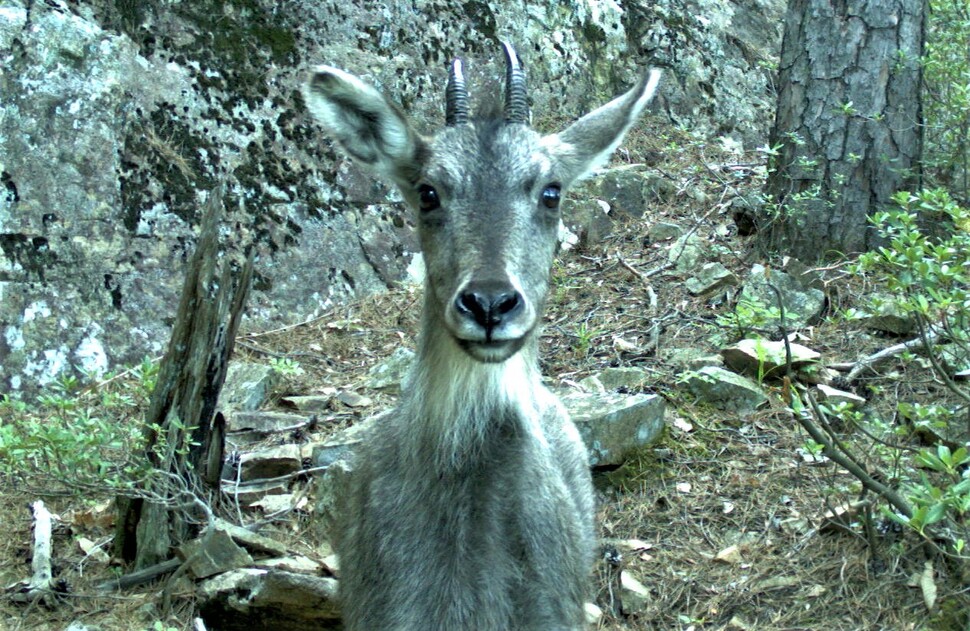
pixel 516 102
pixel 456 96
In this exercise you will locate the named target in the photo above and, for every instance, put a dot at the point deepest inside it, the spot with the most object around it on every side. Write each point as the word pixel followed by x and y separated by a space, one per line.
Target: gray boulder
pixel 119 118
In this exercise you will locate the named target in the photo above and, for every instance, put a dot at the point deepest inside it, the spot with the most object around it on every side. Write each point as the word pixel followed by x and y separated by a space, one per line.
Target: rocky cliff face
pixel 117 117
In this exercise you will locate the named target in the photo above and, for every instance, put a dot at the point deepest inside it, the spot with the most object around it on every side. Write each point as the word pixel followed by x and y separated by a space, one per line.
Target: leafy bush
pixel 77 439
pixel 929 270
pixel 946 95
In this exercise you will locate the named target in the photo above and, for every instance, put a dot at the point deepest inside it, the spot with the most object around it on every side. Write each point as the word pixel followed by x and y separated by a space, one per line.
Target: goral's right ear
pixel 369 127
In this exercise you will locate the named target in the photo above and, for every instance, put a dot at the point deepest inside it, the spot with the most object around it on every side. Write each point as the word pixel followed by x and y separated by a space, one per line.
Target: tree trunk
pixel 848 125
pixel 184 431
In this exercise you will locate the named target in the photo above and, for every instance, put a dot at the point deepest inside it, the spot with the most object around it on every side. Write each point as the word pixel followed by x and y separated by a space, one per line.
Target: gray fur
pixel 471 506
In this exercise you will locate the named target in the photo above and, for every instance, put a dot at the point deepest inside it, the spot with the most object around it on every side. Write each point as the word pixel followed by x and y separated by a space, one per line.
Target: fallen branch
pixel 40 587
pixel 141 576
pixel 887 353
pixel 838 454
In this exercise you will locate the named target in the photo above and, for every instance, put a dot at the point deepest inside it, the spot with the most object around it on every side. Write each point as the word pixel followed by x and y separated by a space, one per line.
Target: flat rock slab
pixel 251 598
pixel 266 422
pixel 271 462
pixel 766 357
pixel 250 492
pixel 612 425
pixel 252 541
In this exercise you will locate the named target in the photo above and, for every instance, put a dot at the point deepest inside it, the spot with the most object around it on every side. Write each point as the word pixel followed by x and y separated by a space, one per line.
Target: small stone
pixel 730 555
pixel 834 395
pixel 803 305
pixel 213 553
pixel 622 189
pixel 274 503
pixel 613 425
pixel 634 595
pixel 246 388
pixel 726 390
pixel 664 231
pixel 310 402
pixel 710 278
pixel 687 252
pixel 354 400
pixel 888 316
pixel 390 373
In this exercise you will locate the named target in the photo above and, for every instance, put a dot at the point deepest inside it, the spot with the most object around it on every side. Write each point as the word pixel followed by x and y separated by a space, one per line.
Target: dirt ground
pixel 722 520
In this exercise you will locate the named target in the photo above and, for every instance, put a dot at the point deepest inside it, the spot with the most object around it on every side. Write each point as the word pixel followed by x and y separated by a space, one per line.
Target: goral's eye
pixel 428 198
pixel 551 196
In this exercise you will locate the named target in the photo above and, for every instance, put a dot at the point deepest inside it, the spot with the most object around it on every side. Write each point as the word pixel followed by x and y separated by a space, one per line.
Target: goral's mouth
pixel 493 351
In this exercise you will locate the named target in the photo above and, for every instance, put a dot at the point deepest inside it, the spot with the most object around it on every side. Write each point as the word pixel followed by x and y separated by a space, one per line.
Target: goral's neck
pixel 456 402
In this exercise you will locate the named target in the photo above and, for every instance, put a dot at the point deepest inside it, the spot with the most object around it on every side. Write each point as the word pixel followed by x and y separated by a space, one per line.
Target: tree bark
pixel 847 129
pixel 183 429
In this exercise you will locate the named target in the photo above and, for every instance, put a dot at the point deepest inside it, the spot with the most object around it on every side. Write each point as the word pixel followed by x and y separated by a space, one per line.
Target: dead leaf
pixel 841 516
pixel 634 545
pixel 93 550
pixel 101 515
pixel 730 555
pixel 683 425
pixel 928 586
pixel 623 346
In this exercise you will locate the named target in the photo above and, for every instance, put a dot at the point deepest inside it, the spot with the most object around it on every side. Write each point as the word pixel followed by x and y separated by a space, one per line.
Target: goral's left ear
pixel 368 126
pixel 588 143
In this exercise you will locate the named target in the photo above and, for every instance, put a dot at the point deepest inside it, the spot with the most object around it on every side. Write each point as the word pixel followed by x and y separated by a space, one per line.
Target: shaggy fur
pixel 470 507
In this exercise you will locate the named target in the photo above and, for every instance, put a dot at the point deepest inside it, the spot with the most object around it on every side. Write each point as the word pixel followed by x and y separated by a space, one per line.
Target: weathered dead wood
pixel 40 587
pixel 141 576
pixel 869 362
pixel 185 435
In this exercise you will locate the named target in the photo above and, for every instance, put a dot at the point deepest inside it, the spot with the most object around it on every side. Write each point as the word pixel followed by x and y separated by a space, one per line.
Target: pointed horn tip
pixel 457 69
pixel 510 54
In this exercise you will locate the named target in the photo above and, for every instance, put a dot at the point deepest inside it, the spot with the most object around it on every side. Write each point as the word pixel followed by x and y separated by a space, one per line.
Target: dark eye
pixel 428 198
pixel 551 195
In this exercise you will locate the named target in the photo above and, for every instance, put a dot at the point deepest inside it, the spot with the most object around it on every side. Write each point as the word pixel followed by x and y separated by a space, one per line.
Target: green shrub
pixel 76 439
pixel 946 95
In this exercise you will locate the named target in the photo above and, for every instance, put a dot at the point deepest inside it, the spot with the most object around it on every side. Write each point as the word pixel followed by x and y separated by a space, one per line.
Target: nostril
pixel 506 303
pixel 475 305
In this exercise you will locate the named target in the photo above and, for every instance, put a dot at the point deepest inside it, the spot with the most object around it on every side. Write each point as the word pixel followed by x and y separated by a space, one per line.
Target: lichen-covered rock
pixel 614 425
pixel 802 304
pixel 726 390
pixel 117 119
